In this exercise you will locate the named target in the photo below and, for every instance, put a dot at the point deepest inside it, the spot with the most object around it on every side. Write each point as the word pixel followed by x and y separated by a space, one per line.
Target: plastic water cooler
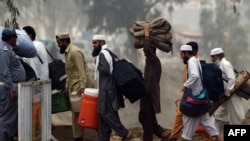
pixel 88 116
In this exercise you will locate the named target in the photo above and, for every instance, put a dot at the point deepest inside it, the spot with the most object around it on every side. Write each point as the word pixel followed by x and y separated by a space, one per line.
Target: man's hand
pixel 227 93
pixel 184 89
pixel 66 90
pixel 147 29
pixel 81 90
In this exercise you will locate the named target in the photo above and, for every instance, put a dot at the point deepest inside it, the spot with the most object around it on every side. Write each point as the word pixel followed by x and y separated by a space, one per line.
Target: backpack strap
pixel 200 70
pixel 40 59
pixel 50 54
pixel 114 57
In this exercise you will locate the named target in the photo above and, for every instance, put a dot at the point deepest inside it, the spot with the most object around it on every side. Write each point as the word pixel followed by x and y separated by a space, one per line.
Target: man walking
pixel 195 84
pixel 150 103
pixel 178 123
pixel 78 76
pixel 232 110
pixel 109 102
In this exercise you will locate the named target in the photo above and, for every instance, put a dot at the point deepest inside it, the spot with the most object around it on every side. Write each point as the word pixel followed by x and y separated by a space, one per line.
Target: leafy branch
pixel 234 6
pixel 12 22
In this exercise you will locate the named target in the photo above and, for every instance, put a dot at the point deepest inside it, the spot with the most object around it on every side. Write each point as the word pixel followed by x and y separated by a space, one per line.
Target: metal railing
pixel 34 111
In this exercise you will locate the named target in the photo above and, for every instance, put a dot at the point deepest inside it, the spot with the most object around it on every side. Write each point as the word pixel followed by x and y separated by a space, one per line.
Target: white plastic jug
pixel 75 100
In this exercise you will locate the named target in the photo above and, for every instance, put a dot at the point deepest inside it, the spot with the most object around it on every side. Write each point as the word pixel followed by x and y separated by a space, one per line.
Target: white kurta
pixel 231 111
pixel 43 70
pixel 190 123
pixel 194 81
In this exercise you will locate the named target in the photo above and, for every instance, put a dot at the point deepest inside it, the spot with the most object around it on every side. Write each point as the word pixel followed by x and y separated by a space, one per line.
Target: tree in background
pixel 51 16
pixel 221 28
pixel 117 16
pixel 14 13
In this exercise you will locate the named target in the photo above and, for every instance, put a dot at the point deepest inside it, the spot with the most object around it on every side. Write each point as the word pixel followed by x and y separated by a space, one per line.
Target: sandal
pixel 129 137
pixel 165 135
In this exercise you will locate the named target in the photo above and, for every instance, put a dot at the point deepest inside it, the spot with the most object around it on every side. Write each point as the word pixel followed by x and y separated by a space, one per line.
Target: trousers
pixel 178 125
pixel 149 122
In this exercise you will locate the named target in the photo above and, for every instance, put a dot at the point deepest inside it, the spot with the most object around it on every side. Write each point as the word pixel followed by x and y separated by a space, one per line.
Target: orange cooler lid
pixel 91 92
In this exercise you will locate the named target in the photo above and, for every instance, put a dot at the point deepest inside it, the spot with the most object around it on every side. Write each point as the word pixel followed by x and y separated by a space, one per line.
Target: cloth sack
pixel 244 92
pixel 242 86
pixel 26 47
pixel 160 33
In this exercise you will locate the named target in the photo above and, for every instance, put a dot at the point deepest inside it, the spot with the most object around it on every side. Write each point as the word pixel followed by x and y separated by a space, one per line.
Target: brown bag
pixel 160 33
pixel 241 80
pixel 242 85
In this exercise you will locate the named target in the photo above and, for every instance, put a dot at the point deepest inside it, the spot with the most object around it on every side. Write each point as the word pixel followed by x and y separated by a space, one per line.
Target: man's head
pixel 31 32
pixel 97 42
pixel 63 40
pixel 194 46
pixel 57 41
pixel 9 36
pixel 186 52
pixel 216 55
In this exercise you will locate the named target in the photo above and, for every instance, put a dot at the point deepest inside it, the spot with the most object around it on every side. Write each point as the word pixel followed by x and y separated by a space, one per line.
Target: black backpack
pixel 29 71
pixel 57 73
pixel 212 80
pixel 128 78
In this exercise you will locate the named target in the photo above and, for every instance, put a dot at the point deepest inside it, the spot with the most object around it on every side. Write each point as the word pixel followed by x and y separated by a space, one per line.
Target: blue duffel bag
pixel 26 47
pixel 193 110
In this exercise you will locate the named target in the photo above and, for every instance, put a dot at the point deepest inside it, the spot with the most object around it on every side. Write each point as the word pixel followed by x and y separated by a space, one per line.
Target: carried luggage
pixel 194 109
pixel 59 102
pixel 29 71
pixel 75 101
pixel 212 78
pixel 160 33
pixel 244 92
pixel 26 47
pixel 128 78
pixel 242 86
pixel 57 73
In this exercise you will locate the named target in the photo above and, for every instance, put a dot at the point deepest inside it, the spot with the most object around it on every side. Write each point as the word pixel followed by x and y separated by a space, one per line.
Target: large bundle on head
pixel 26 47
pixel 160 33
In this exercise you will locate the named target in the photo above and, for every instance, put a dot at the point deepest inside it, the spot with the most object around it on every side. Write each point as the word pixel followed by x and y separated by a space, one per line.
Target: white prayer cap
pixel 186 48
pixel 216 51
pixel 98 37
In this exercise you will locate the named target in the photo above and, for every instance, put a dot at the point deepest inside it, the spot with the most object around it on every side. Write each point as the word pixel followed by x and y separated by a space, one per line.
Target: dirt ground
pixel 64 133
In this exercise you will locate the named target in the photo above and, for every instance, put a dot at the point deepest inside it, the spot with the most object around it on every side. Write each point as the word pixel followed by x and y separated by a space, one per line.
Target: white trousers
pixel 231 111
pixel 190 125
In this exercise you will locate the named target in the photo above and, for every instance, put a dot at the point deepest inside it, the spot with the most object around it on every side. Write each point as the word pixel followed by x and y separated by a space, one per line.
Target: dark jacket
pixel 152 75
pixel 108 96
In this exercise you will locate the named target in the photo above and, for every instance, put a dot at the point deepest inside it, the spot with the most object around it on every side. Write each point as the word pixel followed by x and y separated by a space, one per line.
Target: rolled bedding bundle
pixel 25 46
pixel 160 33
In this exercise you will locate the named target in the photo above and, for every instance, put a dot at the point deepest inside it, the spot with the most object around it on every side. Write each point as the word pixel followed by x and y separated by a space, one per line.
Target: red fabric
pixel 196 102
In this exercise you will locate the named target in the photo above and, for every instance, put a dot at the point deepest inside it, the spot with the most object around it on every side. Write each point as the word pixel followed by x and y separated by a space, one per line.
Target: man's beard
pixel 185 60
pixel 96 51
pixel 217 62
pixel 62 49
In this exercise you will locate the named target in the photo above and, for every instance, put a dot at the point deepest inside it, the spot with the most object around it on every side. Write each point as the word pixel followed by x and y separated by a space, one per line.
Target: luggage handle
pixel 50 54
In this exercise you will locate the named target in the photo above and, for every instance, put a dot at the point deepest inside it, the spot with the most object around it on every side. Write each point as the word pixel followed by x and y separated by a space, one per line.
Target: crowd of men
pixel 109 102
